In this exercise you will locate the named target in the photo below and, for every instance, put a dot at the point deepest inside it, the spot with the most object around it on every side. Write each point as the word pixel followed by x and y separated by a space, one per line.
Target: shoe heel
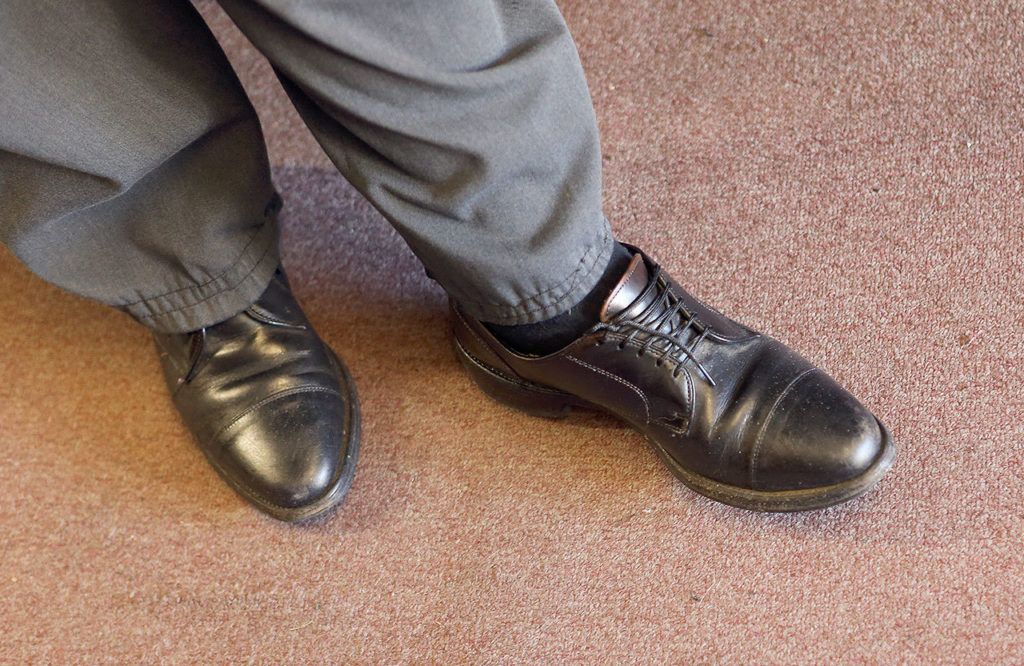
pixel 517 394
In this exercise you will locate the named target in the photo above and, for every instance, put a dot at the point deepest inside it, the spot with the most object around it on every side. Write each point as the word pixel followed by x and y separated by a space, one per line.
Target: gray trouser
pixel 133 170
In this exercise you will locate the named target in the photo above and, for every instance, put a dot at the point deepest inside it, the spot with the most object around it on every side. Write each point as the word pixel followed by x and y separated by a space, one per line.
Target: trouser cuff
pixel 559 297
pixel 220 298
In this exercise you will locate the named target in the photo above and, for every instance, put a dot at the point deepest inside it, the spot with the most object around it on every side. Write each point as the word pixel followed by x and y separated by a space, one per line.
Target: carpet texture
pixel 844 176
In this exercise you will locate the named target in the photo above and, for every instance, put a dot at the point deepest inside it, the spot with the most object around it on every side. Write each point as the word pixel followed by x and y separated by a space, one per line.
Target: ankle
pixel 550 335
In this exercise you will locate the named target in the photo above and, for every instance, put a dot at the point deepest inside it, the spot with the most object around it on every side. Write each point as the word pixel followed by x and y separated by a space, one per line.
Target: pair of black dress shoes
pixel 734 414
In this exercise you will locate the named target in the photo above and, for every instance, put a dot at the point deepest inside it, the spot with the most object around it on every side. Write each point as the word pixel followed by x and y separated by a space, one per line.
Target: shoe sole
pixel 547 402
pixel 341 486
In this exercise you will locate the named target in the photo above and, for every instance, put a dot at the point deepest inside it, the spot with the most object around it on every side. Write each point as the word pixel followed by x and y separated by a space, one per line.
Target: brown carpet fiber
pixel 847 177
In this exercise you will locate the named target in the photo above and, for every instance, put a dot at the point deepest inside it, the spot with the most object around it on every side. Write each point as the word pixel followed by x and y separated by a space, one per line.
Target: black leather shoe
pixel 734 414
pixel 272 407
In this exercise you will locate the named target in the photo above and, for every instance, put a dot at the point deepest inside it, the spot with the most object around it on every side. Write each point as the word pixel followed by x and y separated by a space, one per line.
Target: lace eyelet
pixel 662 328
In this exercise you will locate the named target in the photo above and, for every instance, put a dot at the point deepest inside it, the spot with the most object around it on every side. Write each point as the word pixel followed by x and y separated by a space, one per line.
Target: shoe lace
pixel 662 326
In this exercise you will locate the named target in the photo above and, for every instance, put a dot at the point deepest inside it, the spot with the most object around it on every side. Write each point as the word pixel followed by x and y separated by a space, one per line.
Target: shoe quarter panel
pixel 635 386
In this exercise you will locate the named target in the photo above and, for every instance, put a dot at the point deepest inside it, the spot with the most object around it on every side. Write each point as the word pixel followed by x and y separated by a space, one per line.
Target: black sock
pixel 550 335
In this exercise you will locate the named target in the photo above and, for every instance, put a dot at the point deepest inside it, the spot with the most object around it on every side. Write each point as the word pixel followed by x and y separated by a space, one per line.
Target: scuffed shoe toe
pixel 817 435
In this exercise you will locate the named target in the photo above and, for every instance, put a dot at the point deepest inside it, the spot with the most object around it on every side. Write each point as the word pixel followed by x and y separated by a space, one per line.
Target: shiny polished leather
pixel 271 406
pixel 735 414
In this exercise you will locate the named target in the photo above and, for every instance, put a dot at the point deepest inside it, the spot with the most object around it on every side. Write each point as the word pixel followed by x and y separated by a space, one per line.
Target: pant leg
pixel 132 166
pixel 467 123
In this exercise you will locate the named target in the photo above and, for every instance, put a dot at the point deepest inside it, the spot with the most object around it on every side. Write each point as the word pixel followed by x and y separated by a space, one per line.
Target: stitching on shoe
pixel 690 391
pixel 647 405
pixel 245 486
pixel 271 398
pixel 768 419
pixel 512 380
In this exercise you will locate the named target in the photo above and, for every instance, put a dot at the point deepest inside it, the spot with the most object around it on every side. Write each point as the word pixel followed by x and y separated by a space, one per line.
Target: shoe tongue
pixel 628 289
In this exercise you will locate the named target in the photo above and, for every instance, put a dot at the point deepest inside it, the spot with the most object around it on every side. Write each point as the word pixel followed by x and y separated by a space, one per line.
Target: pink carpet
pixel 845 176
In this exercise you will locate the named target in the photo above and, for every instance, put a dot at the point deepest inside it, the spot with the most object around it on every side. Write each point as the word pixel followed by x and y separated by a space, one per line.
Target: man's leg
pixel 132 166
pixel 133 171
pixel 468 124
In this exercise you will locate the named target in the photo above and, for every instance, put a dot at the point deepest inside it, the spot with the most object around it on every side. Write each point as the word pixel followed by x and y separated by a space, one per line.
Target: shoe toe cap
pixel 288 452
pixel 816 435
